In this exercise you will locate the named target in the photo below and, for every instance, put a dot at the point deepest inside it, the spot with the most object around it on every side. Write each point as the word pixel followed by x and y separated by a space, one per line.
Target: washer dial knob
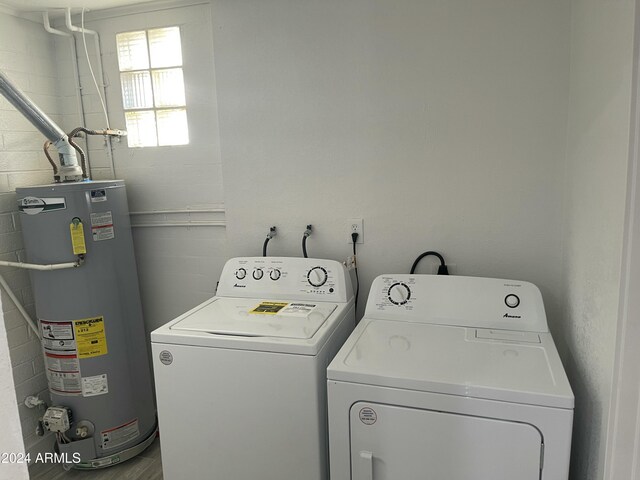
pixel 241 273
pixel 399 293
pixel 275 274
pixel 317 276
pixel 257 273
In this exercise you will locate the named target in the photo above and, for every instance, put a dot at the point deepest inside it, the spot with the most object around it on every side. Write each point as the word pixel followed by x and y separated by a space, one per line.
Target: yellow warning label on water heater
pixel 269 308
pixel 77 237
pixel 90 337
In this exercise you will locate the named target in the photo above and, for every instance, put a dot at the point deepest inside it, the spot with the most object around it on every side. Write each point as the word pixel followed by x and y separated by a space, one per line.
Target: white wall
pixel 442 124
pixel 11 438
pixel 178 267
pixel 28 59
pixel 597 155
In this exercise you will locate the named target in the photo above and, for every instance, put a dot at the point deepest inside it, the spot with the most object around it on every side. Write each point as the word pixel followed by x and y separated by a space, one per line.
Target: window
pixel 153 87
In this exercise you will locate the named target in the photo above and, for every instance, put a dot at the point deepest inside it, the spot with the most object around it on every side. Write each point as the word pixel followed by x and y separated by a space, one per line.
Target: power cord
pixel 354 238
pixel 307 234
pixel 270 235
pixel 442 269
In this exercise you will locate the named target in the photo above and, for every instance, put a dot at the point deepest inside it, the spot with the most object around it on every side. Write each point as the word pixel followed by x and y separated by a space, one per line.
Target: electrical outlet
pixel 355 225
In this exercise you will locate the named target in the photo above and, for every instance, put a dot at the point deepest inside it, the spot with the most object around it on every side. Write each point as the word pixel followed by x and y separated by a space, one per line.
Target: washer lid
pixel 249 317
pixel 454 360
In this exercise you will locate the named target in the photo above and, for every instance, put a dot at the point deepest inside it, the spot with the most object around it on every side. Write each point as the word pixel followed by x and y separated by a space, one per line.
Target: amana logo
pixel 506 315
pixel 239 286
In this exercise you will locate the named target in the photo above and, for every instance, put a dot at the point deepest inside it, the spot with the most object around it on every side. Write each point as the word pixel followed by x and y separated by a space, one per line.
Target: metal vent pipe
pixel 70 170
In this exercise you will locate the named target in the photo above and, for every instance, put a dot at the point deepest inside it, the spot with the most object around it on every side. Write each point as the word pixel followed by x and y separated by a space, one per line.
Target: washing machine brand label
pixel 77 237
pixel 166 357
pixel 90 337
pixel 298 309
pixel 506 315
pixel 35 205
pixel 117 436
pixel 99 195
pixel 102 226
pixel 268 308
pixel 96 385
pixel 368 416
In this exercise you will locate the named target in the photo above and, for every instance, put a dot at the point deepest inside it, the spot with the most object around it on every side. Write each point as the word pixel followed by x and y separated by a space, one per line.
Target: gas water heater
pixel 90 319
pixel 79 247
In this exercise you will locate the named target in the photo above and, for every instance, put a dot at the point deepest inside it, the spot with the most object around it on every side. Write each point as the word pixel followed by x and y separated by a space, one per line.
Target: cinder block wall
pixel 27 57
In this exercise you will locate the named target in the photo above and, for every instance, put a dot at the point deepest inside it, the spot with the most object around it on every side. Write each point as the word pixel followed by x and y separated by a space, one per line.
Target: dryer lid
pixel 454 360
pixel 249 317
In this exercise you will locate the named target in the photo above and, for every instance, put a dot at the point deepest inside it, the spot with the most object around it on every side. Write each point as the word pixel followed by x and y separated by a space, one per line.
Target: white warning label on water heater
pixel 68 363
pixel 56 330
pixel 64 383
pixel 117 436
pixel 96 385
pixel 102 226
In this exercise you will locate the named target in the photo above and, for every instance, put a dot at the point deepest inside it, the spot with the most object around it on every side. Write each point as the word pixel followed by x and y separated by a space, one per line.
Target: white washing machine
pixel 451 378
pixel 241 379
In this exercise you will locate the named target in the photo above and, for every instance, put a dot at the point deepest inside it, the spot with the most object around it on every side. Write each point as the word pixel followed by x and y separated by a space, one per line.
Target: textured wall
pixel 27 57
pixel 442 124
pixel 597 154
pixel 11 438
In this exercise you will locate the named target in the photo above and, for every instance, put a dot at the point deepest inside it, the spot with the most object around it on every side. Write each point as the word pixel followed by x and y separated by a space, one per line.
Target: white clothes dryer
pixel 452 378
pixel 241 379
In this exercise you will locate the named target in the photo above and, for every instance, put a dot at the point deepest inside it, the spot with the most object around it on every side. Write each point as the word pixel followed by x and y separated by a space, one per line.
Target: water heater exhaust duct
pixel 69 168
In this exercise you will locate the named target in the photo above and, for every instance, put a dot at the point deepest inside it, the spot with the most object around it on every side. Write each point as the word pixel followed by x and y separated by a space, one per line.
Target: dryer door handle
pixel 366 466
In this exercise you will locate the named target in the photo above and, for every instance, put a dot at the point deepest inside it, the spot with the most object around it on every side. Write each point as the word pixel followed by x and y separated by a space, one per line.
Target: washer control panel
pixel 456 300
pixel 283 277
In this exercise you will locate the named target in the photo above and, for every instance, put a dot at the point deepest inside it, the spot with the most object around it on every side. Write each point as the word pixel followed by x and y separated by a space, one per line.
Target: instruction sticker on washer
pixel 102 226
pixel 90 337
pixel 117 436
pixel 96 385
pixel 298 309
pixel 268 308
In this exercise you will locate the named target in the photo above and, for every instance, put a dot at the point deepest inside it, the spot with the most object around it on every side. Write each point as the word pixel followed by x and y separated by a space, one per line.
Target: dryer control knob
pixel 512 300
pixel 275 274
pixel 241 273
pixel 399 293
pixel 257 273
pixel 317 276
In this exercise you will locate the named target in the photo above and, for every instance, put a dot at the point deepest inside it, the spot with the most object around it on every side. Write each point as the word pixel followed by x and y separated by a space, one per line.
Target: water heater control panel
pixel 285 278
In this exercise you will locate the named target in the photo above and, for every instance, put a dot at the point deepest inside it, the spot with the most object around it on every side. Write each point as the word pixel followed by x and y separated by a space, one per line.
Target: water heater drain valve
pixel 57 419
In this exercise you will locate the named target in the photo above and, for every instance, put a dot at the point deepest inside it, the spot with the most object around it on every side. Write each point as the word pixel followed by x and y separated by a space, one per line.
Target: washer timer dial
pixel 317 276
pixel 275 274
pixel 257 273
pixel 241 273
pixel 399 293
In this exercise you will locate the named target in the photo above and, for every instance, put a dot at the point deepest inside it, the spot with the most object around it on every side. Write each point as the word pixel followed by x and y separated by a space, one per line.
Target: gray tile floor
pixel 146 466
